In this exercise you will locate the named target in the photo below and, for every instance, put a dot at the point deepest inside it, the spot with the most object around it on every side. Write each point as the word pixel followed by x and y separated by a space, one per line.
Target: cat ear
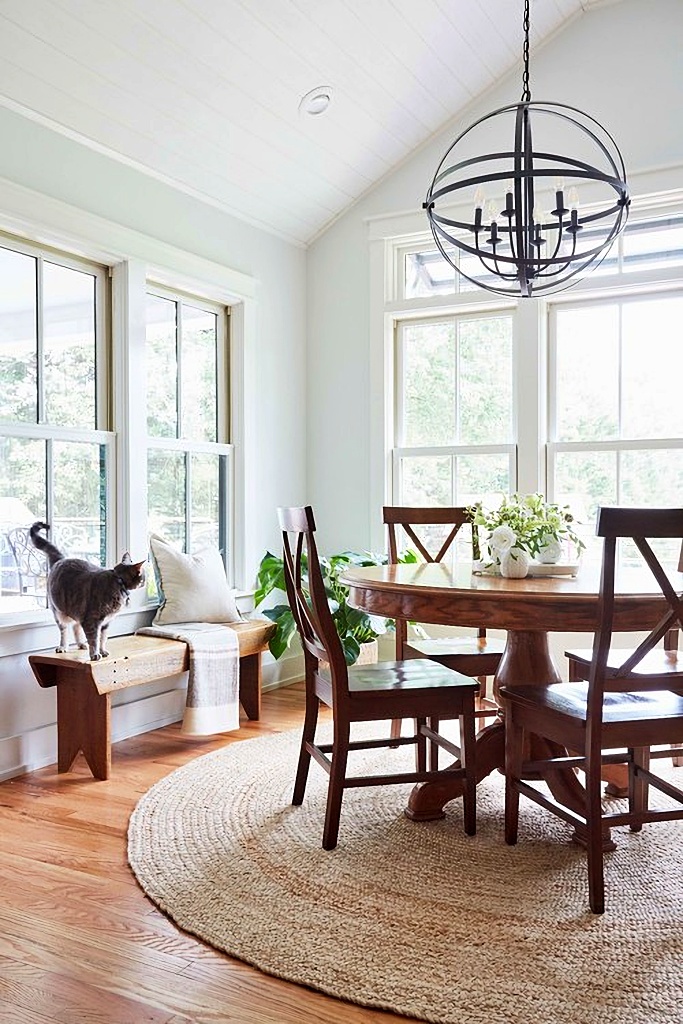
pixel 139 565
pixel 126 559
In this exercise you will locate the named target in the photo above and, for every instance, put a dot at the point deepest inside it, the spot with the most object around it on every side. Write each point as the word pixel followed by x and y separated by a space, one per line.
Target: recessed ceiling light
pixel 316 101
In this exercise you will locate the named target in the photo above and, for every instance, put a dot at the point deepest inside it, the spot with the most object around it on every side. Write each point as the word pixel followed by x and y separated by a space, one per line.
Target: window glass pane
pixel 22 502
pixel 166 495
pixel 653 245
pixel 198 346
pixel 479 475
pixel 473 268
pixel 652 478
pixel 426 480
pixel 584 481
pixel 18 346
pixel 588 373
pixel 485 380
pixel 79 471
pixel 429 384
pixel 428 273
pixel 23 476
pixel 69 346
pixel 652 368
pixel 162 368
pixel 205 503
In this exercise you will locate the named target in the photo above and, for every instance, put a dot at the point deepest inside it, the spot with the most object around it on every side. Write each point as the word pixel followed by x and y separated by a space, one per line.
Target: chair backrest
pixel 640 525
pixel 409 518
pixel 308 599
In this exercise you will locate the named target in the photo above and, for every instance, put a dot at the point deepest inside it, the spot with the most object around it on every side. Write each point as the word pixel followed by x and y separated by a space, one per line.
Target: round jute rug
pixel 414 918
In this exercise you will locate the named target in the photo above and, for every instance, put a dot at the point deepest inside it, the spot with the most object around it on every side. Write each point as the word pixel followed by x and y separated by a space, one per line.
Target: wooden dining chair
pixel 579 662
pixel 579 659
pixel 433 531
pixel 417 689
pixel 632 702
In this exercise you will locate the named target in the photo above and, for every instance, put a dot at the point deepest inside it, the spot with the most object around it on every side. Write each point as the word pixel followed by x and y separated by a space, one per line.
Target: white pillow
pixel 193 588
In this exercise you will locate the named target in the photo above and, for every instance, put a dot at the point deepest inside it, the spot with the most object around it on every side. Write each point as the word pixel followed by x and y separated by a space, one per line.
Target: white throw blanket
pixel 213 689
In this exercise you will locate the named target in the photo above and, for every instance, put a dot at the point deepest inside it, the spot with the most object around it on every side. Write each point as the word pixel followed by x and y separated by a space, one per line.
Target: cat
pixel 84 596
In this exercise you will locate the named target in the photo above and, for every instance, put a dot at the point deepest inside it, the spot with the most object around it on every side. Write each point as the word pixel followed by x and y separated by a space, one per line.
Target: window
pixel 189 458
pixel 594 416
pixel 55 445
pixel 454 413
pixel 616 432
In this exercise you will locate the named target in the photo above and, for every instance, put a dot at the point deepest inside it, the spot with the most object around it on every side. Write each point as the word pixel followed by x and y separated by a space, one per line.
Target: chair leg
pixel 307 736
pixel 395 732
pixel 434 747
pixel 421 745
pixel 638 788
pixel 467 760
pixel 335 789
pixel 514 740
pixel 596 880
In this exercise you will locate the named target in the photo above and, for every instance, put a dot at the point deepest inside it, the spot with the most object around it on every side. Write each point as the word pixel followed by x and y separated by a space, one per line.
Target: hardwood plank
pixel 32 988
pixel 79 941
pixel 10 1013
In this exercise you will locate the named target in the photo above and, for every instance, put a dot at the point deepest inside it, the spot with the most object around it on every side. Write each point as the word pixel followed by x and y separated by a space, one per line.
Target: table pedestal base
pixel 526 657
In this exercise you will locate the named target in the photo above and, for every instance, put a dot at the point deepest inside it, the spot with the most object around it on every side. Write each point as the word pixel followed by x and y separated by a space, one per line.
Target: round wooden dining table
pixel 528 609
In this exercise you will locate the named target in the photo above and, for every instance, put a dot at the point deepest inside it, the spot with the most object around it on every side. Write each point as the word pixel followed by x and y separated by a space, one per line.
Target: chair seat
pixel 407 676
pixel 657 662
pixel 570 699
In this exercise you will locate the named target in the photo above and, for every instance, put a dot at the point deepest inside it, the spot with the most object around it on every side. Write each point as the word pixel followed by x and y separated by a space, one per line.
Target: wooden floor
pixel 81 944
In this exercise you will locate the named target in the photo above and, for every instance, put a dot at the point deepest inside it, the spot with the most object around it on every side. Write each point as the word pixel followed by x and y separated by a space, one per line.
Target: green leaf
pixel 271 576
pixel 351 649
pixel 286 629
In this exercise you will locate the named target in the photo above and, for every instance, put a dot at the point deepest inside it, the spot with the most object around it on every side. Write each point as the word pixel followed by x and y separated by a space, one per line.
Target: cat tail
pixel 54 555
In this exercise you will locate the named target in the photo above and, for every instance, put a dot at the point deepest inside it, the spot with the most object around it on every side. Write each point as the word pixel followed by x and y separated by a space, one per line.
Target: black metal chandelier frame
pixel 524 251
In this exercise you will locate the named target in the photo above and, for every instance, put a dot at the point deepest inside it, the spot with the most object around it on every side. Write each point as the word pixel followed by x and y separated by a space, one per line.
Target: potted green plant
pixel 524 527
pixel 354 627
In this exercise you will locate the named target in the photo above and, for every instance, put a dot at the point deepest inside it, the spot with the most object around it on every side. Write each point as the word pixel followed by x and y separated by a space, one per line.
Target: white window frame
pixel 101 433
pixel 131 259
pixel 390 239
pixel 399 450
pixel 223 445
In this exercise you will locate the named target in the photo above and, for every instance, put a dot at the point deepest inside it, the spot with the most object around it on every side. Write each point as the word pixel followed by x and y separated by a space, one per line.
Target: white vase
pixel 514 564
pixel 550 552
pixel 369 653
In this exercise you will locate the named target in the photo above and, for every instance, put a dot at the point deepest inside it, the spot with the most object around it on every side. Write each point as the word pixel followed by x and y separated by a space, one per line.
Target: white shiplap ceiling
pixel 204 94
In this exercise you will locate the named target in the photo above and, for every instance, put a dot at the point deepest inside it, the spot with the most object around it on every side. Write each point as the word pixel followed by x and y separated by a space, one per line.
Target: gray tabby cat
pixel 85 596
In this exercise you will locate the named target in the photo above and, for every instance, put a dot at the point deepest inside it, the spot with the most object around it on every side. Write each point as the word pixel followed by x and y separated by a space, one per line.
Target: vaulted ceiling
pixel 205 94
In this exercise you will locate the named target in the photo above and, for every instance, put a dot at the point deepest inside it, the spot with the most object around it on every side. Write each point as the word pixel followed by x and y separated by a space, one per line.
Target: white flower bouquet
pixel 521 528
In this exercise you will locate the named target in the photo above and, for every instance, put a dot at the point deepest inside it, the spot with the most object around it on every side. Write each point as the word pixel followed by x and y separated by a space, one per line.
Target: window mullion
pixel 456 384
pixel 40 350
pixel 188 502
pixel 49 481
pixel 179 365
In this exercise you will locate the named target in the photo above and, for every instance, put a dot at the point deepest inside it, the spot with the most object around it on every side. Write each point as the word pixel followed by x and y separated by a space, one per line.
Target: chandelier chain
pixel 526 92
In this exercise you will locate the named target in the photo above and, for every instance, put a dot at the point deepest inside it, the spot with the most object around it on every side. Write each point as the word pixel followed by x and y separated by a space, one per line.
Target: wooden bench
pixel 84 687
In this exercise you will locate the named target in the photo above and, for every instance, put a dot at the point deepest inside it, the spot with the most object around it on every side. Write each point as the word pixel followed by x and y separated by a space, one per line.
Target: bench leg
pixel 83 723
pixel 250 685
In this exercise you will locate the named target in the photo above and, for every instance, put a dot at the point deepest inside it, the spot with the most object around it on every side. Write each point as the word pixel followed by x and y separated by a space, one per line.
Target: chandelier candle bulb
pixel 560 208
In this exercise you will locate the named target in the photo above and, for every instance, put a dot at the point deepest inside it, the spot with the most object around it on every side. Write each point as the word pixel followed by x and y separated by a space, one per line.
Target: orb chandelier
pixel 524 231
